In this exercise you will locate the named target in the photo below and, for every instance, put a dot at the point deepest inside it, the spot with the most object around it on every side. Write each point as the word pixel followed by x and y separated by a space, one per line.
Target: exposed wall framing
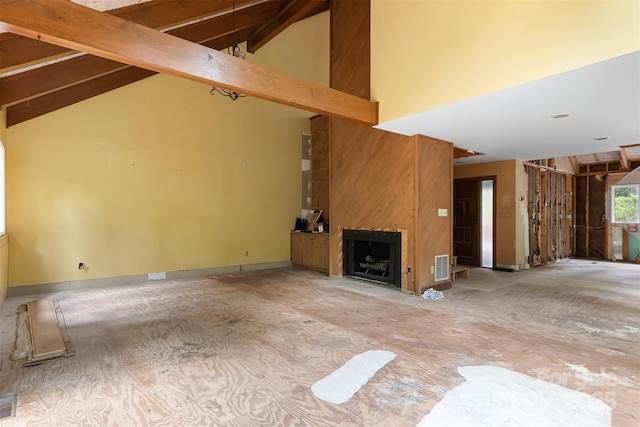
pixel 550 210
pixel 591 230
pixel 606 167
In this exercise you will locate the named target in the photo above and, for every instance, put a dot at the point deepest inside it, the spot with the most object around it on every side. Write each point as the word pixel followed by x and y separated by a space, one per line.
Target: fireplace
pixel 372 255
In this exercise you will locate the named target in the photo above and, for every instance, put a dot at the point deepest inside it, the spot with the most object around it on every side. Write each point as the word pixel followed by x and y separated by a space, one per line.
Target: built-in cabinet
pixel 310 250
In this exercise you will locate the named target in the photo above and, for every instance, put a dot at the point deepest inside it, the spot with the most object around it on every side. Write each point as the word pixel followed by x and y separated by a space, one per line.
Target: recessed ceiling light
pixel 602 138
pixel 560 116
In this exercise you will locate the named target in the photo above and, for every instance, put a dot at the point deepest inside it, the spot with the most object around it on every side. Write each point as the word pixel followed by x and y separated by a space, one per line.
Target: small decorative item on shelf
pixel 313 218
pixel 301 224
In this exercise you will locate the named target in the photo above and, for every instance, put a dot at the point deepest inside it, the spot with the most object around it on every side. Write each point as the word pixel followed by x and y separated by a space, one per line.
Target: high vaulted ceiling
pixel 37 77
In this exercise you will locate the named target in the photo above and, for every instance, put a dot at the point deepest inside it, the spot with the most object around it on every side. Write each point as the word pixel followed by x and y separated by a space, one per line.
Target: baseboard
pixel 137 278
pixel 440 286
pixel 507 267
pixel 105 282
pixel 265 266
pixel 443 286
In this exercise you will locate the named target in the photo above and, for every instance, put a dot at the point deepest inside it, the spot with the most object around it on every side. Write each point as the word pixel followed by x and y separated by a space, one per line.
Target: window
pixel 625 206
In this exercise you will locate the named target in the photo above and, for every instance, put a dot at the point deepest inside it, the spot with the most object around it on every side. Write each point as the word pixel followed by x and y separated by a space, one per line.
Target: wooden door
pixel 466 220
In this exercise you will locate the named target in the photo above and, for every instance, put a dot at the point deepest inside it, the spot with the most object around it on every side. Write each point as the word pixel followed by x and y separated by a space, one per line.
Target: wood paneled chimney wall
pixel 381 180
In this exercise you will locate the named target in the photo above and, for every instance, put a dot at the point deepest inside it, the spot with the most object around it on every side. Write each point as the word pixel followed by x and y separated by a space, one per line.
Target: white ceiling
pixel 602 100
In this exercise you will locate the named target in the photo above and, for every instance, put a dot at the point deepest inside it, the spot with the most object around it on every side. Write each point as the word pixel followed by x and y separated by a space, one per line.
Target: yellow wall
pixel 160 176
pixel 430 53
pixel 509 243
pixel 4 240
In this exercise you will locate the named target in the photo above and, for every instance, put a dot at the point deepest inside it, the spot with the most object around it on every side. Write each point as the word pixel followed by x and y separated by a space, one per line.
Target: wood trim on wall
pixel 434 191
pixel 350 66
pixel 382 180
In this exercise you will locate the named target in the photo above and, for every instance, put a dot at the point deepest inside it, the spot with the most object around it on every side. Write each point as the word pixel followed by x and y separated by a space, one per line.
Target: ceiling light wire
pixel 233 50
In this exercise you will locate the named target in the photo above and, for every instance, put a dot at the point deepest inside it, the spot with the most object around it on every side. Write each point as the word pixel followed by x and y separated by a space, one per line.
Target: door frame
pixel 478 181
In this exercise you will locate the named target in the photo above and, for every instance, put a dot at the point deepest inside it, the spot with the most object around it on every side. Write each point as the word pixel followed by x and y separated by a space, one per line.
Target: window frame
pixel 613 203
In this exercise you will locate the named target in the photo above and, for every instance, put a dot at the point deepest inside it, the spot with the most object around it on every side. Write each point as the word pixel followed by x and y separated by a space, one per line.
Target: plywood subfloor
pixel 244 349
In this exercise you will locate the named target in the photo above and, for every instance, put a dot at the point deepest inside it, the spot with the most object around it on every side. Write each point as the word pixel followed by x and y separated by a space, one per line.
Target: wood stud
pixel 550 215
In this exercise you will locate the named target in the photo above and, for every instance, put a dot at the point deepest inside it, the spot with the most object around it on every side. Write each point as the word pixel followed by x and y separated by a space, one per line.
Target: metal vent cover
pixel 442 267
pixel 8 406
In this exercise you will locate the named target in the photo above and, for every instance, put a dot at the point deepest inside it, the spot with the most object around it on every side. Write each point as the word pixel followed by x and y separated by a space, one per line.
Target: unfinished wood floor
pixel 244 349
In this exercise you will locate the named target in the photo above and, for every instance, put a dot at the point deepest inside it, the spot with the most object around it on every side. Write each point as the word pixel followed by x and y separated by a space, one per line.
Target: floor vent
pixel 8 406
pixel 442 268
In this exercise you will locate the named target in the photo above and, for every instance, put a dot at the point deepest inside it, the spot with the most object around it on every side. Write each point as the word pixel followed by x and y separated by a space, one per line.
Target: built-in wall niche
pixel 374 256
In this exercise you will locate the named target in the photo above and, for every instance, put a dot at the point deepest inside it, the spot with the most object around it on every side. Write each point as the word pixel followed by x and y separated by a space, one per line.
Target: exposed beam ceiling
pixel 37 77
pixel 113 38
pixel 625 159
pixel 291 13
pixel 29 84
pixel 18 52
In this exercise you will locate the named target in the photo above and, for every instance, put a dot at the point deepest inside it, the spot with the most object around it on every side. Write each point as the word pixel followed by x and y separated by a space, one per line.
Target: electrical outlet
pixel 246 253
pixel 433 270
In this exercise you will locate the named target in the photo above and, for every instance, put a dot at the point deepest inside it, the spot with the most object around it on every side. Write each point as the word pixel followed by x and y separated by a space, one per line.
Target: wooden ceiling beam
pixel 43 80
pixel 624 158
pixel 17 51
pixel 574 163
pixel 292 12
pixel 55 100
pixel 49 102
pixel 229 24
pixel 76 27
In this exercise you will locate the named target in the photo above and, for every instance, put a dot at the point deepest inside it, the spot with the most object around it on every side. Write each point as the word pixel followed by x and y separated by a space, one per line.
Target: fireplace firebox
pixel 372 255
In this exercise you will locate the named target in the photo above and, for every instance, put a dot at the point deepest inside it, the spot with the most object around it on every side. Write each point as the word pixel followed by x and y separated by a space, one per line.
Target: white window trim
pixel 613 202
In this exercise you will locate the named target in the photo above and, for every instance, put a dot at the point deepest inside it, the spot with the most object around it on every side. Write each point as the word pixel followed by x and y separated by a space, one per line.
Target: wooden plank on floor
pixel 46 338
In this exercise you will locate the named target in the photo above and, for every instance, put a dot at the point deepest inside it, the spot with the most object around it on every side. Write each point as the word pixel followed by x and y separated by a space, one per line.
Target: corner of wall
pixel 3 126
pixel 4 267
pixel 4 239
pixel 522 216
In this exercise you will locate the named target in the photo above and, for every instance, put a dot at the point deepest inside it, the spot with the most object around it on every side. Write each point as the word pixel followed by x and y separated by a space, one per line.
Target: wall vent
pixel 442 268
pixel 8 406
